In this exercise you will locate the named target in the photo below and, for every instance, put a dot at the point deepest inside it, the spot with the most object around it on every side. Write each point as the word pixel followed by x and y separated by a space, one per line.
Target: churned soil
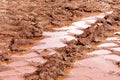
pixel 65 56
pixel 23 20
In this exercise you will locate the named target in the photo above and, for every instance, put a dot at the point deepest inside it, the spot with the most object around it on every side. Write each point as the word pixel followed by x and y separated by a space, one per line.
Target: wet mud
pixel 24 21
pixel 66 56
pixel 21 21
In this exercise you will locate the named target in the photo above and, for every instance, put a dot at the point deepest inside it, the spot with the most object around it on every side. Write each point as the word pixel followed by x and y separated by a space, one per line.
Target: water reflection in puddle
pixel 107 45
pixel 9 73
pixel 95 68
pixel 63 33
pixel 25 69
pixel 116 49
pixel 113 38
pixel 29 55
pixel 112 57
pixel 37 59
pixel 55 40
pixel 99 52
pixel 13 78
pixel 17 64
pixel 117 33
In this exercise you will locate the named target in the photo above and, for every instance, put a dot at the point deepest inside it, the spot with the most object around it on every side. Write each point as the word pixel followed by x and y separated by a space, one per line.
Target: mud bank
pixel 76 49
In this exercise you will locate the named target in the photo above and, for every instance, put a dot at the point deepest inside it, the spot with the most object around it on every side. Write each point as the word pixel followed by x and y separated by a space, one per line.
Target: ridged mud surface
pixel 21 21
pixel 34 45
pixel 76 50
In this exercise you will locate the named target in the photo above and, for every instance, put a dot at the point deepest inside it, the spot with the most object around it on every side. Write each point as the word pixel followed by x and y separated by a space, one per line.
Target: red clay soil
pixel 65 56
pixel 23 20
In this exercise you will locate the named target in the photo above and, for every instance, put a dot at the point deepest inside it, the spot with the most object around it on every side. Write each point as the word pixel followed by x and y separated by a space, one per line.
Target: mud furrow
pixel 27 63
pixel 63 62
pixel 66 56
pixel 75 51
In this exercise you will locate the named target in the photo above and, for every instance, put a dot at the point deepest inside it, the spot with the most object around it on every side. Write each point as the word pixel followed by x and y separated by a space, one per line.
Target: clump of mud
pixel 4 57
pixel 65 57
pixel 99 29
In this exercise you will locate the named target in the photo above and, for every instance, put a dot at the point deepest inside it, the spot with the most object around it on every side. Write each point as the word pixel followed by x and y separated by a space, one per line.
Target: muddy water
pixel 95 68
pixel 21 64
pixel 102 65
pixel 65 33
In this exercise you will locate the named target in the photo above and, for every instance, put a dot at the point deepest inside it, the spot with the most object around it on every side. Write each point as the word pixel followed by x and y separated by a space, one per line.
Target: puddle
pixel 75 31
pixel 94 69
pixel 29 55
pixel 99 52
pixel 18 64
pixel 37 59
pixel 17 72
pixel 113 38
pixel 81 25
pixel 4 68
pixel 64 33
pixel 34 54
pixel 107 45
pixel 117 33
pixel 66 28
pixel 112 57
pixel 116 49
pixel 13 78
pixel 25 69
pixel 49 43
pixel 53 40
pixel 85 22
pixel 9 73
pixel 70 29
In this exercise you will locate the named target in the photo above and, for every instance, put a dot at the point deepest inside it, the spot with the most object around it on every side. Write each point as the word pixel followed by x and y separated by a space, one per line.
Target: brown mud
pixel 64 58
pixel 22 22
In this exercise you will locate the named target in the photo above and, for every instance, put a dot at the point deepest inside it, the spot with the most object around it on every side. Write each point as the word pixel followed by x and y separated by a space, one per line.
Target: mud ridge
pixel 21 21
pixel 65 56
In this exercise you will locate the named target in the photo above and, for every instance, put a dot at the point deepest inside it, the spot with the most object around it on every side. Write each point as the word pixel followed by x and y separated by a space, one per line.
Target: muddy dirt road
pixel 97 48
pixel 23 20
pixel 27 63
pixel 41 40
